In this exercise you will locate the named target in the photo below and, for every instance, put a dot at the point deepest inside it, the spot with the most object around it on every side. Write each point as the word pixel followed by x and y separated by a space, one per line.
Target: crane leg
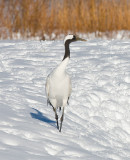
pixel 61 119
pixel 56 117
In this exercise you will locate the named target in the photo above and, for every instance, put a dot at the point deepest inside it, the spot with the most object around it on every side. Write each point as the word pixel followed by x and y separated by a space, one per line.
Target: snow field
pixel 97 121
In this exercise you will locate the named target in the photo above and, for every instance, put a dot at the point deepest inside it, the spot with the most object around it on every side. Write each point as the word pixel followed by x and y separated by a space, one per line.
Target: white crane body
pixel 58 87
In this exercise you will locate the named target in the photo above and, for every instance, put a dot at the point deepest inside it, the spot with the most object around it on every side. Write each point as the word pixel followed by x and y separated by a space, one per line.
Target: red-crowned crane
pixel 58 83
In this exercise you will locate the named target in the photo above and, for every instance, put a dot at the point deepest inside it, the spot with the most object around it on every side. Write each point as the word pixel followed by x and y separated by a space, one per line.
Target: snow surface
pixel 97 121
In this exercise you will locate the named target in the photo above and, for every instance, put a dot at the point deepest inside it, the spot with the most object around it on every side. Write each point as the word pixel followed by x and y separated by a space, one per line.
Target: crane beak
pixel 80 39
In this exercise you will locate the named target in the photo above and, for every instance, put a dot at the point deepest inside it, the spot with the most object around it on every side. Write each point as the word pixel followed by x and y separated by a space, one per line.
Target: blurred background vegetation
pixel 31 18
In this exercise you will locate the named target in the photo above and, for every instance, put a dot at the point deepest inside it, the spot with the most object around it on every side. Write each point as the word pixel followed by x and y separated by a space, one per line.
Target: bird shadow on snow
pixel 42 118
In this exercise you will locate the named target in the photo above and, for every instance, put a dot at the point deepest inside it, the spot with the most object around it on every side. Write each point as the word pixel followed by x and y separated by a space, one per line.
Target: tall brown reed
pixel 40 17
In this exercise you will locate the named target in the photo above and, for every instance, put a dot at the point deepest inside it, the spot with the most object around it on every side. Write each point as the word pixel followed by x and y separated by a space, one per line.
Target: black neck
pixel 67 50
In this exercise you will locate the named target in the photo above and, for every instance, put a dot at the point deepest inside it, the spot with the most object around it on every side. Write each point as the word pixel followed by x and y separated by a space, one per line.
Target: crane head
pixel 72 38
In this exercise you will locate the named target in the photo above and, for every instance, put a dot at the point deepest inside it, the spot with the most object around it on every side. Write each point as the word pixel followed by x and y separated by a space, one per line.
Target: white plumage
pixel 58 86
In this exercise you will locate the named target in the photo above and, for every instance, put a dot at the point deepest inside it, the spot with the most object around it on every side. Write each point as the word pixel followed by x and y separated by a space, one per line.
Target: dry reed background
pixel 33 18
